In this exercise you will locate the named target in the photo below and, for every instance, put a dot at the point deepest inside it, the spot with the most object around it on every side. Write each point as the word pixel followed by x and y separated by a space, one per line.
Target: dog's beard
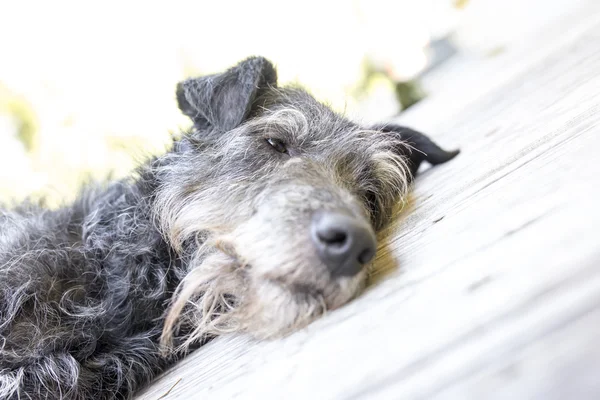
pixel 205 302
pixel 224 292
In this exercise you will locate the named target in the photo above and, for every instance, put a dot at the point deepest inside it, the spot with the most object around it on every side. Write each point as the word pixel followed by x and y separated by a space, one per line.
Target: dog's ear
pixel 224 100
pixel 420 149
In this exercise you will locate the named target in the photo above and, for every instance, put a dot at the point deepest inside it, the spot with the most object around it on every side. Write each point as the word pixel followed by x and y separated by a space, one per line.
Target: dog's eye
pixel 277 145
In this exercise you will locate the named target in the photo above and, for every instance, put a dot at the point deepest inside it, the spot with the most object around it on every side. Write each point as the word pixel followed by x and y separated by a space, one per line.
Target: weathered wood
pixel 497 294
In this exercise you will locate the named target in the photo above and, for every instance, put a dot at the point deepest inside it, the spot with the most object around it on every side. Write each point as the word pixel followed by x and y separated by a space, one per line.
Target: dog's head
pixel 275 200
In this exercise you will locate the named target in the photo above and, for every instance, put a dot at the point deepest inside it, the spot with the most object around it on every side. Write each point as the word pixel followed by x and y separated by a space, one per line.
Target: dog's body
pixel 257 221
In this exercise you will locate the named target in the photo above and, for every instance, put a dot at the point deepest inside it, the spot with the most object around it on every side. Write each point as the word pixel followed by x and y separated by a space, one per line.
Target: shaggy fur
pixel 98 297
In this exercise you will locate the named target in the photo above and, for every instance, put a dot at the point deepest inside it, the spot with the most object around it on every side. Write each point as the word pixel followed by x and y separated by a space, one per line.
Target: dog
pixel 259 219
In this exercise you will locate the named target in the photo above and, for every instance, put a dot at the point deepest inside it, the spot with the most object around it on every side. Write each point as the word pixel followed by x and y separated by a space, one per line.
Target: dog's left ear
pixel 224 100
pixel 420 149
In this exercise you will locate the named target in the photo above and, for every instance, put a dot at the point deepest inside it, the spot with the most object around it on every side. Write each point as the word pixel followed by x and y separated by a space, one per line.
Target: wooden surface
pixel 497 290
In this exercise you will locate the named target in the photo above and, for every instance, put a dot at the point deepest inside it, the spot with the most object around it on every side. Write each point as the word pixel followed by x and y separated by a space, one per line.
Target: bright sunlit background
pixel 87 89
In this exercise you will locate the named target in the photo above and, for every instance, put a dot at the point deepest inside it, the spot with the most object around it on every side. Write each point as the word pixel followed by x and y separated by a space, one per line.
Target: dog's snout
pixel 342 242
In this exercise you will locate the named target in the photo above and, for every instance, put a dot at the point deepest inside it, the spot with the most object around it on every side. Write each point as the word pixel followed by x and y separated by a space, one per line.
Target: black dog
pixel 258 220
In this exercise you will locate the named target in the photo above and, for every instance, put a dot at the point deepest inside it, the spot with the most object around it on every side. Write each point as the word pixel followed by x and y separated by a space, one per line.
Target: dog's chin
pixel 277 309
pixel 224 294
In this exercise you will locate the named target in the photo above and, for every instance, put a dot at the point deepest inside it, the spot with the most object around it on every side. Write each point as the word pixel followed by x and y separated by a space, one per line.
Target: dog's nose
pixel 343 243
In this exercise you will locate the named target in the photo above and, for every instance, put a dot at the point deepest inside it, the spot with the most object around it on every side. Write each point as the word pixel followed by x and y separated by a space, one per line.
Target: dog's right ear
pixel 223 101
pixel 421 148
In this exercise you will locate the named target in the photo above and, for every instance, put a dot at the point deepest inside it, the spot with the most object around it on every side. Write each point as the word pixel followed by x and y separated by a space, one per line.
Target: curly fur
pixel 99 296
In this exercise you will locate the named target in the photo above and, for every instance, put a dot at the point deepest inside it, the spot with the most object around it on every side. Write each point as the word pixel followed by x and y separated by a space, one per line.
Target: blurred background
pixel 87 88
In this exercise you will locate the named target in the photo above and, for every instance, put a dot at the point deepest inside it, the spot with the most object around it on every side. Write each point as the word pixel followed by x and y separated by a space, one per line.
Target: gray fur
pixel 98 297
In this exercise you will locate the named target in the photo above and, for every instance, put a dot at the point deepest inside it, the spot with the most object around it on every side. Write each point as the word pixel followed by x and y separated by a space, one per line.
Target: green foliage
pixel 21 112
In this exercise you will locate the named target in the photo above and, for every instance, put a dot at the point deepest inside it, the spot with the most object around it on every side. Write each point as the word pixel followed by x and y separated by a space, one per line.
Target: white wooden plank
pixel 463 81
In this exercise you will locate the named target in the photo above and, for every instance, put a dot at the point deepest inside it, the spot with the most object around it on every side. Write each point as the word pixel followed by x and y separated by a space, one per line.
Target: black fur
pixel 421 147
pixel 85 289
